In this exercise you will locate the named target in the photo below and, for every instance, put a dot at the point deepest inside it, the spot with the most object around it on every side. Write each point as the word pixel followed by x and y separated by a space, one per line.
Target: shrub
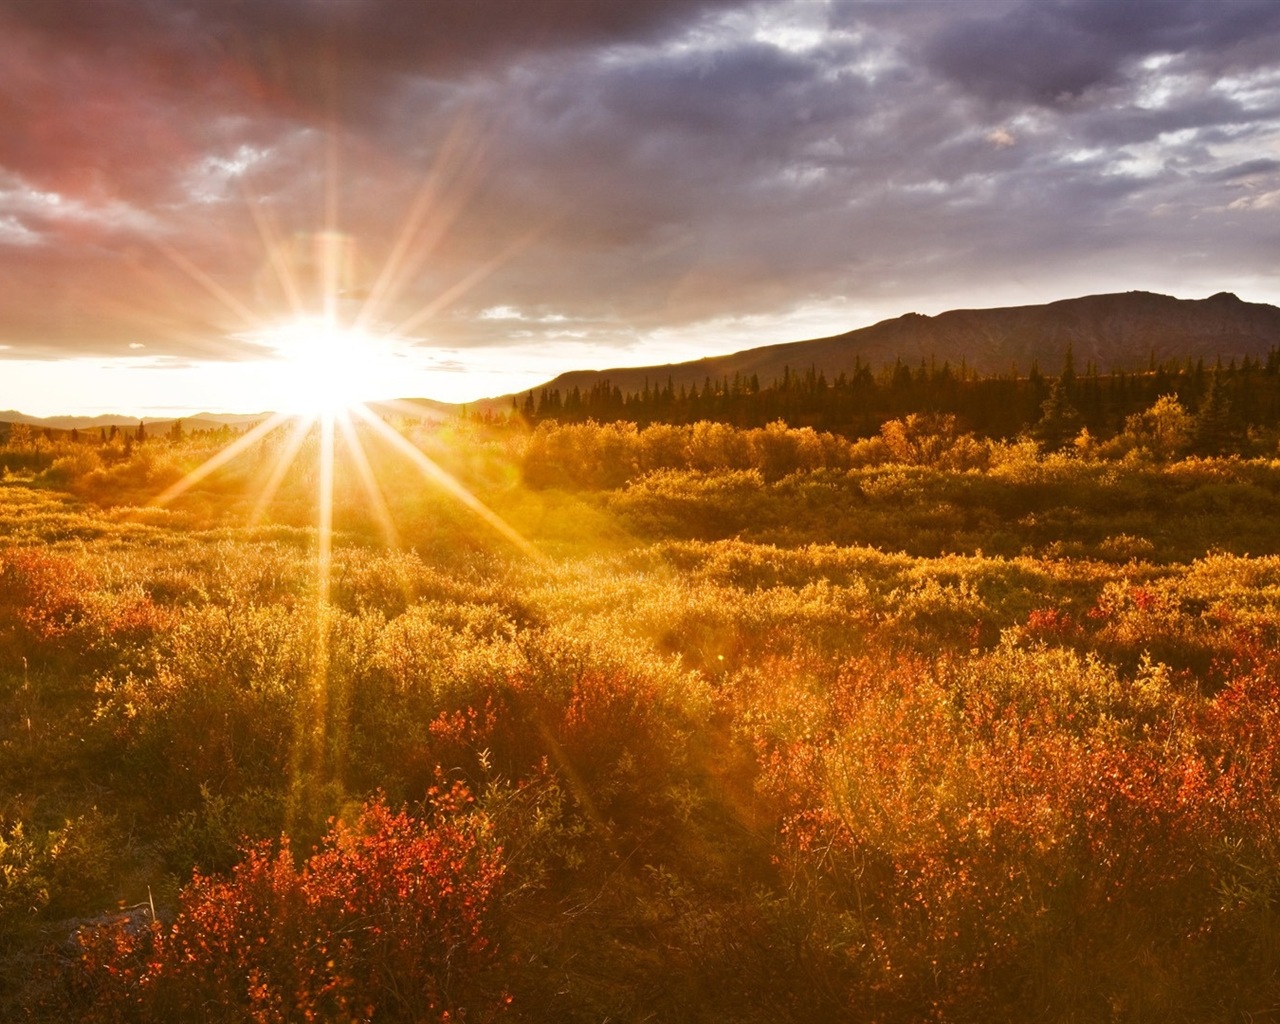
pixel 390 918
pixel 49 873
pixel 43 603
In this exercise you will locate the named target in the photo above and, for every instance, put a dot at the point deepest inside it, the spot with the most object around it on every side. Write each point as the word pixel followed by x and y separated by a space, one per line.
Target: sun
pixel 317 366
pixel 322 367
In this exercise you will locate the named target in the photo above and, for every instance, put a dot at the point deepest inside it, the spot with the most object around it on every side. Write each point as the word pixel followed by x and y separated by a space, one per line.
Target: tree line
pixel 1229 401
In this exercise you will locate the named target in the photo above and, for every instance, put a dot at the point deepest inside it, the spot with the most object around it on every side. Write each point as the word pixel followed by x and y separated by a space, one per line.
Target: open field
pixel 763 725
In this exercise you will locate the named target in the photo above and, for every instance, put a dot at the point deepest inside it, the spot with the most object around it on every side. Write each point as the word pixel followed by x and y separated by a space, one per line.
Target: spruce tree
pixel 1211 431
pixel 1061 420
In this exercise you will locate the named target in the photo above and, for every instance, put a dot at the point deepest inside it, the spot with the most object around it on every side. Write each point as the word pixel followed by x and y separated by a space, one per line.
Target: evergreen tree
pixel 1061 420
pixel 1068 376
pixel 1211 430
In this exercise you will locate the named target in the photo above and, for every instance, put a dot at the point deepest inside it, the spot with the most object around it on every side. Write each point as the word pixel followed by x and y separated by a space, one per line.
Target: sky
pixel 484 193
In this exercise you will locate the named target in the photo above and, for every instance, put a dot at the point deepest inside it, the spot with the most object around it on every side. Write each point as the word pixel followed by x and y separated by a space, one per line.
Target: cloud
pixel 14 233
pixel 612 172
pixel 1248 169
pixel 1053 52
pixel 307 59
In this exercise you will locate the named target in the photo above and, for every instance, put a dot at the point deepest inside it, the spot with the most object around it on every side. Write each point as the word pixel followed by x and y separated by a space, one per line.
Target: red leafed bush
pixel 42 600
pixel 1052 625
pixel 388 919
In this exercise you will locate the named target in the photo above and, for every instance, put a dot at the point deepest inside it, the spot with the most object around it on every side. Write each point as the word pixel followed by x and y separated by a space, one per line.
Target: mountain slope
pixel 1121 331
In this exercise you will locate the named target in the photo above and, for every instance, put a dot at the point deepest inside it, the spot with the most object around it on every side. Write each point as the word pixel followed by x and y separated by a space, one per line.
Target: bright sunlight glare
pixel 319 366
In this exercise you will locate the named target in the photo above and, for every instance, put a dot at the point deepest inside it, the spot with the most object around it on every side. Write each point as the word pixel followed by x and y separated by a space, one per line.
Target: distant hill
pixel 421 408
pixel 200 421
pixel 1122 331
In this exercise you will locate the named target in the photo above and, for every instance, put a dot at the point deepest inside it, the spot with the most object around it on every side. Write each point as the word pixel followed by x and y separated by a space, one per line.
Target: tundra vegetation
pixel 774 725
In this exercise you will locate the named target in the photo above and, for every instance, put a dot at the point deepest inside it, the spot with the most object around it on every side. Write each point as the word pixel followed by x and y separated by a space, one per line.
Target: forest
pixel 1231 400
pixel 945 718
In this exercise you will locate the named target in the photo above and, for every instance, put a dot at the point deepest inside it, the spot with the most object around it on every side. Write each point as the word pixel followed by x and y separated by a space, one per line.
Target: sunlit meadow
pixel 594 722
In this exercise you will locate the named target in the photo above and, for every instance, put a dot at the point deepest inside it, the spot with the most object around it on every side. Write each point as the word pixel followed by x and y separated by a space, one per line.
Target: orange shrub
pixel 1011 827
pixel 43 601
pixel 390 919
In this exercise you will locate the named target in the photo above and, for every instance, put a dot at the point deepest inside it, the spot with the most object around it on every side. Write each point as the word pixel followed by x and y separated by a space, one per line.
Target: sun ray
pixel 416 242
pixel 251 320
pixel 284 460
pixel 437 475
pixel 328 357
pixel 412 411
pixel 324 512
pixel 368 482
pixel 162 326
pixel 274 246
pixel 330 269
pixel 220 459
pixel 452 294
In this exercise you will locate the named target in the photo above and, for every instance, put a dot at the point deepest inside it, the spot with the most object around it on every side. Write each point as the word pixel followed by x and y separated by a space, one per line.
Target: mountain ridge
pixel 1113 331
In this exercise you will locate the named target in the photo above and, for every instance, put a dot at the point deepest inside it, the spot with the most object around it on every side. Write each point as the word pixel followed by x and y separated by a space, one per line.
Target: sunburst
pixel 319 366
pixel 324 371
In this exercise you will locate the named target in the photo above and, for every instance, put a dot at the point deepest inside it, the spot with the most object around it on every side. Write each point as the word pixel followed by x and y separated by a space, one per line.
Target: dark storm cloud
pixel 747 177
pixel 649 139
pixel 108 94
pixel 1053 52
pixel 1248 169
pixel 663 162
pixel 375 35
pixel 652 160
pixel 330 57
